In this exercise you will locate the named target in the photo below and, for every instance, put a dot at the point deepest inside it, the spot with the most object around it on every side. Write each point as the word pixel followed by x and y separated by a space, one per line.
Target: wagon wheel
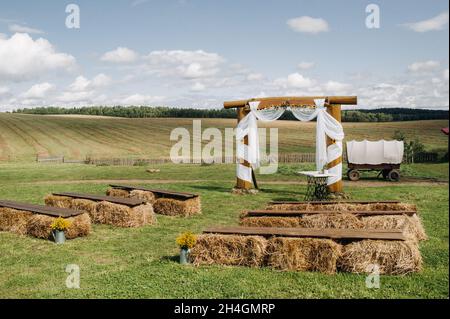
pixel 385 173
pixel 394 175
pixel 353 175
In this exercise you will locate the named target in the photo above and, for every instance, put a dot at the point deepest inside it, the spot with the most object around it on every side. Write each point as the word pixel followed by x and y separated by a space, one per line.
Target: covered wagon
pixel 383 156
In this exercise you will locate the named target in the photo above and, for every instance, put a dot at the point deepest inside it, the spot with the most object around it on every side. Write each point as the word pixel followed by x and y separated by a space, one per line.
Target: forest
pixel 361 115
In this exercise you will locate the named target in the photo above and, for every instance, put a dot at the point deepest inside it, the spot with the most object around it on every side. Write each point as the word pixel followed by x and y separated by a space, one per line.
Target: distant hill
pixel 373 115
pixel 23 136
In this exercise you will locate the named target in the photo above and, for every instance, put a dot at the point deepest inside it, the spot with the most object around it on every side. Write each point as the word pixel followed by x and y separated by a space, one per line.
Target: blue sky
pixel 198 53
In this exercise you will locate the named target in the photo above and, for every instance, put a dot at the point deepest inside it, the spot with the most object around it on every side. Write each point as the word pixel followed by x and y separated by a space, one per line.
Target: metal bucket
pixel 184 256
pixel 59 236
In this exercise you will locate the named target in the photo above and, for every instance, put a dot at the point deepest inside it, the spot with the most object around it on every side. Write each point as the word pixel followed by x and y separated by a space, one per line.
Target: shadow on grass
pixel 173 258
pixel 213 188
pixel 281 191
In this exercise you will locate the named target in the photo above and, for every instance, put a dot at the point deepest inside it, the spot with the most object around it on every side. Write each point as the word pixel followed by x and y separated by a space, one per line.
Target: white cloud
pixel 16 28
pixel 71 97
pixel 255 77
pixel 424 66
pixel 297 80
pixel 436 23
pixel 445 74
pixel 197 87
pixel 83 84
pixel 139 99
pixel 38 91
pixel 84 91
pixel 3 36
pixel 136 3
pixel 101 80
pixel 80 84
pixel 187 64
pixel 306 65
pixel 120 55
pixel 22 58
pixel 294 80
pixel 4 90
pixel 307 24
pixel 337 87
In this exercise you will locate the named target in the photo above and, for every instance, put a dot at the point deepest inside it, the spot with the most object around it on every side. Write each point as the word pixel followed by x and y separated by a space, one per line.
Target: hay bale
pixel 174 207
pixel 149 197
pixel 58 201
pixel 117 192
pixel 270 221
pixel 13 220
pixel 392 206
pixel 40 226
pixel 344 207
pixel 392 257
pixel 84 205
pixel 232 250
pixel 124 216
pixel 303 254
pixel 335 220
pixel 144 215
pixel 289 207
pixel 411 226
pixel 80 226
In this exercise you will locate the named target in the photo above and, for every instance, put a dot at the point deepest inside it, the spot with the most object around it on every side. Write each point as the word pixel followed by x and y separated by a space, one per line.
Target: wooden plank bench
pixel 299 213
pixel 40 209
pixel 35 220
pixel 117 211
pixel 336 202
pixel 342 234
pixel 99 198
pixel 164 202
pixel 158 192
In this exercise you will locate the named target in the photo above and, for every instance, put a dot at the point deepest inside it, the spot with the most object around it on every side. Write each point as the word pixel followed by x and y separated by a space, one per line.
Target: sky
pixel 200 53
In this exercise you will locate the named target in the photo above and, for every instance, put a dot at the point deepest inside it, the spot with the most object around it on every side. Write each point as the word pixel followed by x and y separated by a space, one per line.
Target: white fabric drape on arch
pixel 326 126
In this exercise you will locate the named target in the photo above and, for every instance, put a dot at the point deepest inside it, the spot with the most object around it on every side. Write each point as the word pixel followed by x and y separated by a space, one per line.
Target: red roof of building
pixel 445 130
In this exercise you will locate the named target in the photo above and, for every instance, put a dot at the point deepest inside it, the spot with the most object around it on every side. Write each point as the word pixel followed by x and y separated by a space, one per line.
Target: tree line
pixel 373 115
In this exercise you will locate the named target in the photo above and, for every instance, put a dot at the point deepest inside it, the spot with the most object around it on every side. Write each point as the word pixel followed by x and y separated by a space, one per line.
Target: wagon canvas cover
pixel 375 153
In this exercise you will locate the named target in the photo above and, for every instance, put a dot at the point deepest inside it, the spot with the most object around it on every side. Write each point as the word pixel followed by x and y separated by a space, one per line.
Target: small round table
pixel 317 187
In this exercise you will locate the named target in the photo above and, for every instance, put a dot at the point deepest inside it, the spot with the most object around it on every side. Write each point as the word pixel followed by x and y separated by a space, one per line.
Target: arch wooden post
pixel 335 111
pixel 240 183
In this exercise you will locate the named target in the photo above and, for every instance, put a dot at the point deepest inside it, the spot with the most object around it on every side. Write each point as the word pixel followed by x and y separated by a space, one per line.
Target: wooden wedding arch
pixel 332 103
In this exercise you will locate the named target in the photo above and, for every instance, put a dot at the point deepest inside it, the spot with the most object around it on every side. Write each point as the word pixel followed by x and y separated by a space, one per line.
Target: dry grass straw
pixel 231 250
pixel 303 254
pixel 108 213
pixel 410 225
pixel 116 192
pixel 338 220
pixel 13 220
pixel 270 221
pixel 84 205
pixel 58 201
pixel 149 197
pixel 124 216
pixel 174 207
pixel 39 226
pixel 391 257
pixel 344 207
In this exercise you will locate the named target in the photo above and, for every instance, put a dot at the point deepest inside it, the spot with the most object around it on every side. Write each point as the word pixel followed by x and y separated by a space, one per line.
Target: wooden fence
pixel 58 160
pixel 282 158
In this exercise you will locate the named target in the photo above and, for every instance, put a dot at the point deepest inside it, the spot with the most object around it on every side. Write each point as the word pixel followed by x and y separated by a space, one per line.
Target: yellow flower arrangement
pixel 60 224
pixel 186 240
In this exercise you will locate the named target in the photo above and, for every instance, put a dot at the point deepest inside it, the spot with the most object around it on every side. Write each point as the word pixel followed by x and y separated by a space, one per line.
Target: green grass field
pixel 142 263
pixel 22 136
